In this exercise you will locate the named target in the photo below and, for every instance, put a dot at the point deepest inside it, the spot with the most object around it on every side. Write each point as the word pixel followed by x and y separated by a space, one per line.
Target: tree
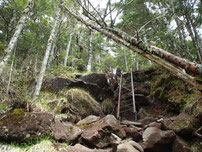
pixel 16 35
pixel 90 52
pixel 151 52
pixel 48 48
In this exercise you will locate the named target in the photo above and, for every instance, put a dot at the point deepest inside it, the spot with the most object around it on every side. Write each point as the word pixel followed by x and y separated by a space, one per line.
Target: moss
pixel 3 106
pixel 18 111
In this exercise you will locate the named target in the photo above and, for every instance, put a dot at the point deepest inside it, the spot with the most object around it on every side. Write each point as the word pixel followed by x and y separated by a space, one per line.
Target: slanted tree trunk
pixel 11 72
pixel 68 48
pixel 16 35
pixel 153 53
pixel 48 48
pixel 90 53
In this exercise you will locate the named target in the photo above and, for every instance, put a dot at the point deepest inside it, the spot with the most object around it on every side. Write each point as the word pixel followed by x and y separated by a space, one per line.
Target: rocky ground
pixel 68 119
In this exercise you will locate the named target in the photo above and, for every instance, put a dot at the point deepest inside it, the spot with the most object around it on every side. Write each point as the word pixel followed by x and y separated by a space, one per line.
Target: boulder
pixel 126 147
pixel 21 126
pixel 127 122
pixel 76 102
pixel 98 134
pixel 147 120
pixel 88 120
pixel 158 140
pixel 96 83
pixel 133 133
pixel 180 145
pixel 43 146
pixel 183 125
pixel 142 113
pixel 64 132
pixel 155 124
pixel 81 148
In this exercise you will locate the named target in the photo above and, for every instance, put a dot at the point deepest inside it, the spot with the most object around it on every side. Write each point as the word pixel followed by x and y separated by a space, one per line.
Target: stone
pixel 136 145
pixel 183 125
pixel 88 120
pixel 126 147
pixel 98 133
pixel 155 124
pixel 180 145
pixel 64 132
pixel 147 120
pixel 127 122
pixel 133 133
pixel 43 146
pixel 81 148
pixel 142 113
pixel 158 140
pixel 21 126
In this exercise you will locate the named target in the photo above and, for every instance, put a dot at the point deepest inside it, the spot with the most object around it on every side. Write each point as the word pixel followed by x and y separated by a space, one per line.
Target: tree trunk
pixel 68 47
pixel 153 53
pixel 125 58
pixel 90 53
pixel 48 48
pixel 16 35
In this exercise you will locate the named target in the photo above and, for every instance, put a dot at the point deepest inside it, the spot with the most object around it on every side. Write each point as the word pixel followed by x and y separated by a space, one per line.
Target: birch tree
pixel 14 39
pixel 90 53
pixel 160 56
pixel 47 52
pixel 68 47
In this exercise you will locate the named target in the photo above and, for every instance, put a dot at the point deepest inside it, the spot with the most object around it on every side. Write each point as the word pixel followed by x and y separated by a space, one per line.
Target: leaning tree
pixel 95 19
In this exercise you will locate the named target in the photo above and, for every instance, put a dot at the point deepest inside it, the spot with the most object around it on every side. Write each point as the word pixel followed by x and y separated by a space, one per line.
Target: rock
pixel 155 124
pixel 21 126
pixel 98 133
pixel 142 113
pixel 127 122
pixel 88 120
pixel 136 145
pixel 9 148
pixel 126 147
pixel 38 107
pixel 76 102
pixel 183 125
pixel 95 83
pixel 158 140
pixel 195 108
pixel 65 132
pixel 81 148
pixel 133 133
pixel 43 146
pixel 147 120
pixel 180 145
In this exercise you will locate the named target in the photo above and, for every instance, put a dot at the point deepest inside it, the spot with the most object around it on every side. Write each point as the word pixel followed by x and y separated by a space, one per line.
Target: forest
pixel 100 75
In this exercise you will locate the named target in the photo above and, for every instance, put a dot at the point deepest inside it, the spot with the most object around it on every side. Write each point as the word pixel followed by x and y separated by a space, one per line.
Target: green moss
pixel 3 106
pixel 18 111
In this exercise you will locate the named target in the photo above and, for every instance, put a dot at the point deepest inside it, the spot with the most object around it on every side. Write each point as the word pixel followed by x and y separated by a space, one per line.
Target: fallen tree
pixel 167 60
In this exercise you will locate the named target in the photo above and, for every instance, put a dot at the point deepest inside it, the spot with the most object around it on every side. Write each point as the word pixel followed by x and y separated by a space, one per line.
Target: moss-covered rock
pixel 75 102
pixel 21 126
pixel 183 125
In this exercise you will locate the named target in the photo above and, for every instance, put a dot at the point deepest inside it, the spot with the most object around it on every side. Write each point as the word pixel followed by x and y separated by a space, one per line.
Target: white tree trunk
pixel 16 35
pixel 90 53
pixel 68 48
pixel 46 56
pixel 125 58
pixel 10 75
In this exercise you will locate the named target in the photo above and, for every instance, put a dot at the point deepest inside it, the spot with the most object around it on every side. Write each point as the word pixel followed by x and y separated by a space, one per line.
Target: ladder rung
pixel 127 105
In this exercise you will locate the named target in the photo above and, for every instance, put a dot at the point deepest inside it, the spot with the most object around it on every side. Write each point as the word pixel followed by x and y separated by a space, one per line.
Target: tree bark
pixel 68 47
pixel 90 53
pixel 150 52
pixel 16 35
pixel 46 56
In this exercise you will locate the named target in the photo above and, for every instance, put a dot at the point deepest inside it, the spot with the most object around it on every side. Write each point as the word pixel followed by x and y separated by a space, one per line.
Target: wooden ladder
pixel 126 105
